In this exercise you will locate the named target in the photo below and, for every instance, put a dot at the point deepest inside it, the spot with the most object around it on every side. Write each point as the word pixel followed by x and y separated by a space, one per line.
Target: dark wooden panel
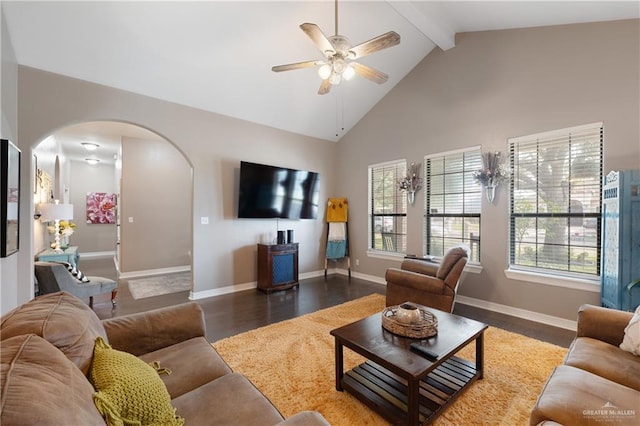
pixel 386 392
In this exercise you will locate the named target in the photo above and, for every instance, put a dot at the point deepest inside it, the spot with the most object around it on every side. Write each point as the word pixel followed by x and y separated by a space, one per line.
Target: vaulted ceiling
pixel 217 55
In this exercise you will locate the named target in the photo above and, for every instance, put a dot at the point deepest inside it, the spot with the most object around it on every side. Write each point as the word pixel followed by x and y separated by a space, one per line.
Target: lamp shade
pixel 51 212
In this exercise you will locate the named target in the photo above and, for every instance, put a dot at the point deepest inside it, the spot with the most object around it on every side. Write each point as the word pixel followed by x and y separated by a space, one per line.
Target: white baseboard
pixel 97 255
pixel 372 278
pixel 195 295
pixel 519 313
pixel 151 272
pixel 251 285
pixel 478 303
pixel 483 304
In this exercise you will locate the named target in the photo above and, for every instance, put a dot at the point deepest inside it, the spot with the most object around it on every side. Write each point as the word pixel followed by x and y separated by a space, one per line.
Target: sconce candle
pixel 493 172
pixel 411 183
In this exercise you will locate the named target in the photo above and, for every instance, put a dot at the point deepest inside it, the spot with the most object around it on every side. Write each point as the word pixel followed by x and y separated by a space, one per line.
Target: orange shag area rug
pixel 292 363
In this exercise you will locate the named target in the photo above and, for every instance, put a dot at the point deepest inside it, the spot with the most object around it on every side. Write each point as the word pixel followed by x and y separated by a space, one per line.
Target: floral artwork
pixel 101 207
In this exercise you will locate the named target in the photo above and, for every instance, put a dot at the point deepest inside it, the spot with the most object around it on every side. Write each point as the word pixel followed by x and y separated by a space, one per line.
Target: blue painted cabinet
pixel 620 239
pixel 277 266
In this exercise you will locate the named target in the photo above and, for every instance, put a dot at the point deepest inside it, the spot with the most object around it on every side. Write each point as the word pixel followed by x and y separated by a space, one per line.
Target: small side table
pixel 70 255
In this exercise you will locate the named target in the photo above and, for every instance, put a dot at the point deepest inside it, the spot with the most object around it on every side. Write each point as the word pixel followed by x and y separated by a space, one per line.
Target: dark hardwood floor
pixel 230 314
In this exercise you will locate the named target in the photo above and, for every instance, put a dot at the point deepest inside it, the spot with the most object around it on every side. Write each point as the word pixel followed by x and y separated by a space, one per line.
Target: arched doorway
pixel 147 176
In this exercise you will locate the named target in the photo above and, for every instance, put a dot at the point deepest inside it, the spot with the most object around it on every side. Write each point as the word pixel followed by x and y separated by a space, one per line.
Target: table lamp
pixel 56 212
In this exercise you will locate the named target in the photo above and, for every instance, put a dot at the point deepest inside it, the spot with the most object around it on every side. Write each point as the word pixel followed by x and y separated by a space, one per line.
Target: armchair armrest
pixel 420 266
pixel 148 331
pixel 603 324
pixel 415 280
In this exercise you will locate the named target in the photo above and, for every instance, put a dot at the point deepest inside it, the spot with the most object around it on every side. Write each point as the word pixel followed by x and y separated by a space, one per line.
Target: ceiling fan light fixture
pixel 348 72
pixel 339 54
pixel 90 146
pixel 341 43
pixel 339 65
pixel 324 71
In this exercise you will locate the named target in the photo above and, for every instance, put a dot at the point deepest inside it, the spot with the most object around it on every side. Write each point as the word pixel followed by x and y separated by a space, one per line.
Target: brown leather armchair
pixel 427 283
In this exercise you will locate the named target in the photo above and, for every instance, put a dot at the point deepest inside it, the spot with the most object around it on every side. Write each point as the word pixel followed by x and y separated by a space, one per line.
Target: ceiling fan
pixel 339 62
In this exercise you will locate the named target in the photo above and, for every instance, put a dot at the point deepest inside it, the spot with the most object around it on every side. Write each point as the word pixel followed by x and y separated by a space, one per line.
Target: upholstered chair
pixel 427 283
pixel 53 277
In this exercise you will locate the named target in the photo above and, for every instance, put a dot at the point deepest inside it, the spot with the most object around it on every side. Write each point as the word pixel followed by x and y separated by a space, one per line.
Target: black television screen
pixel 277 192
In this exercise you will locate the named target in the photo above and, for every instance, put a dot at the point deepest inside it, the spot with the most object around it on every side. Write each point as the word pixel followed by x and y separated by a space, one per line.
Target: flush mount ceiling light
pixel 89 146
pixel 92 161
pixel 339 63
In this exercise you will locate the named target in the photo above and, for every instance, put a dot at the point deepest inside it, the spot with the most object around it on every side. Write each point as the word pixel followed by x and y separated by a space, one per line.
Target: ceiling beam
pixel 425 19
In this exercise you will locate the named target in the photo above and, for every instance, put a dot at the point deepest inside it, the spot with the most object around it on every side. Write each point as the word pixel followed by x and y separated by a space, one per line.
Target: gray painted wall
pixel 224 251
pixel 492 86
pixel 86 178
pixel 157 194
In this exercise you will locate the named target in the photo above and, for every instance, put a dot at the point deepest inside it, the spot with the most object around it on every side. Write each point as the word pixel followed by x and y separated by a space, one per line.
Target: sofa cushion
pixel 631 340
pixel 237 402
pixel 129 390
pixel 204 364
pixel 77 273
pixel 63 320
pixel 605 360
pixel 572 396
pixel 40 386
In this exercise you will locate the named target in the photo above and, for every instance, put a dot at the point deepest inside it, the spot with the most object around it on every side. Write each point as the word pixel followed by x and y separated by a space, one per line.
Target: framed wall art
pixel 9 198
pixel 101 207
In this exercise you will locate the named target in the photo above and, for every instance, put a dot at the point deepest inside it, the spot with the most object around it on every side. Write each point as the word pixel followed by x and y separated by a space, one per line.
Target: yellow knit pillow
pixel 129 391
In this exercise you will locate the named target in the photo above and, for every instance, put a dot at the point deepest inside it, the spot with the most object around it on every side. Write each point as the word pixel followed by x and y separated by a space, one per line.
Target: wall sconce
pixel 92 161
pixel 494 171
pixel 411 183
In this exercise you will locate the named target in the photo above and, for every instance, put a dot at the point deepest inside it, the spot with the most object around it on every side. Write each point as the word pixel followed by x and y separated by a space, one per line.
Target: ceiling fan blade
pixel 325 86
pixel 317 36
pixel 297 65
pixel 384 41
pixel 369 73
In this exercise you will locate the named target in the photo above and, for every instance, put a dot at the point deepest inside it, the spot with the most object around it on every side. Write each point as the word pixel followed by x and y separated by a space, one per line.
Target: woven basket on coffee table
pixel 426 327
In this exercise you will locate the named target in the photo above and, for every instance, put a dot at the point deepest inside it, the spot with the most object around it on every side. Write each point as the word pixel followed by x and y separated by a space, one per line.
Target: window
pixel 555 201
pixel 387 207
pixel 452 202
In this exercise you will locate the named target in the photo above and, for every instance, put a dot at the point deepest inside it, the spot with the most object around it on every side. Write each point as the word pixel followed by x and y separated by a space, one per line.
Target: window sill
pixel 592 286
pixel 472 267
pixel 388 255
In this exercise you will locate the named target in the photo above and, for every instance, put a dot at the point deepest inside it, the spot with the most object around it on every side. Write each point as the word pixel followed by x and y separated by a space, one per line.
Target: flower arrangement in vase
pixel 494 171
pixel 412 182
pixel 66 229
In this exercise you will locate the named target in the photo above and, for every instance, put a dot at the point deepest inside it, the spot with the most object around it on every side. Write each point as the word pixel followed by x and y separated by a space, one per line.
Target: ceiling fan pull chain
pixel 337 112
pixel 342 112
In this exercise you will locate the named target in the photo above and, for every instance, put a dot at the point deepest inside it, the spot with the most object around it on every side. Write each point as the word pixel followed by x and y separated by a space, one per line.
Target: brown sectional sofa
pixel 598 383
pixel 47 348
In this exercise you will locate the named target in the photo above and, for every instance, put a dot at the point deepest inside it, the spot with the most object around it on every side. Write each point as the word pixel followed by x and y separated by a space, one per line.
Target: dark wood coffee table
pixel 404 387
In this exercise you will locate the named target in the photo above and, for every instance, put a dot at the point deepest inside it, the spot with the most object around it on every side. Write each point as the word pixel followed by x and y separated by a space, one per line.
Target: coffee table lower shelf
pixel 386 392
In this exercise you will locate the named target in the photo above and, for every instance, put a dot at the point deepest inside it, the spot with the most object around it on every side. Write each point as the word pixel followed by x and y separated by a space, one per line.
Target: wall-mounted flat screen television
pixel 277 192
